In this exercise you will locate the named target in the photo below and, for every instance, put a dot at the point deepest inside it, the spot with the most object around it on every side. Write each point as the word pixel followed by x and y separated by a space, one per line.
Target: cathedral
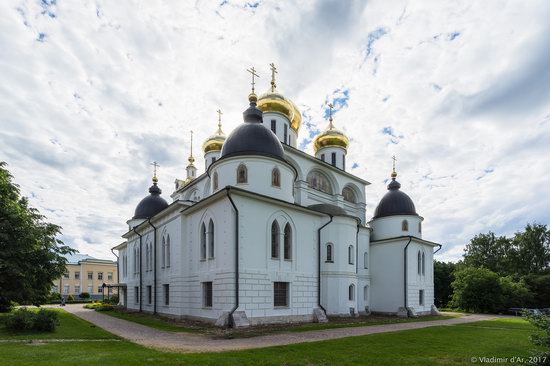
pixel 271 234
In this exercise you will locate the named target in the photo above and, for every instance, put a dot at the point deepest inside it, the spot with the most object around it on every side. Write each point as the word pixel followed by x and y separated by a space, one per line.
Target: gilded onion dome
pixel 273 101
pixel 215 141
pixel 331 137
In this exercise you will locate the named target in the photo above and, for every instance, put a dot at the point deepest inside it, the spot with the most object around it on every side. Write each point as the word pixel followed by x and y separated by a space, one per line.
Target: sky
pixel 91 92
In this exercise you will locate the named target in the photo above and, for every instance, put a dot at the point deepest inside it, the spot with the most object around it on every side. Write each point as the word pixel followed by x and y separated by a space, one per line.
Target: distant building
pixel 86 274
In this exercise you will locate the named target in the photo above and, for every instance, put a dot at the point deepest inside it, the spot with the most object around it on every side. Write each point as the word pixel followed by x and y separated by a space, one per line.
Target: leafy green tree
pixel 476 289
pixel 489 251
pixel 532 248
pixel 31 256
pixel 539 285
pixel 443 277
pixel 515 294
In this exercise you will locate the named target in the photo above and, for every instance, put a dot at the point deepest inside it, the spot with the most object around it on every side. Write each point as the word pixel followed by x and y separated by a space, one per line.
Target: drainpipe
pixel 231 321
pixel 319 262
pixel 405 270
pixel 440 246
pixel 357 255
pixel 140 271
pixel 154 265
pixel 118 288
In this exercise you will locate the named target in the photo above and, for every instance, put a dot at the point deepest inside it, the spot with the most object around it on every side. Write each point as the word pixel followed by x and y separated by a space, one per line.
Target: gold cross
pixel 219 111
pixel 155 166
pixel 273 72
pixel 253 72
pixel 330 126
pixel 394 173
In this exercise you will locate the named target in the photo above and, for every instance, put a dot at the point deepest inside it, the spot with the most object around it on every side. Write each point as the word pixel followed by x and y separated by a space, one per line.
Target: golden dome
pixel 330 137
pixel 215 142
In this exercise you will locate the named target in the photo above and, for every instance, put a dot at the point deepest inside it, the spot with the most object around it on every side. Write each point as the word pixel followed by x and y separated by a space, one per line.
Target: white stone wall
pixel 391 227
pixel 280 121
pixel 339 152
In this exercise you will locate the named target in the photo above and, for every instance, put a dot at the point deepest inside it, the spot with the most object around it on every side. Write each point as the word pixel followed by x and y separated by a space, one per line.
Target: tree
pixel 515 294
pixel 532 248
pixel 31 256
pixel 476 289
pixel 489 251
pixel 443 277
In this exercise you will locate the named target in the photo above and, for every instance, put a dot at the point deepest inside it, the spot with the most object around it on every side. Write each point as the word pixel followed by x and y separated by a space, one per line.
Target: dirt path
pixel 185 342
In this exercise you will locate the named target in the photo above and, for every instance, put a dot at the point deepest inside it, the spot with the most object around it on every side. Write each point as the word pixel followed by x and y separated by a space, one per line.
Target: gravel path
pixel 185 342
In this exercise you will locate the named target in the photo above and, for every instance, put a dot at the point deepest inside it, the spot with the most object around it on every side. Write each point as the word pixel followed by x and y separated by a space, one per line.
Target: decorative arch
pixel 242 174
pixel 356 191
pixel 286 225
pixel 193 195
pixel 322 181
pixel 349 195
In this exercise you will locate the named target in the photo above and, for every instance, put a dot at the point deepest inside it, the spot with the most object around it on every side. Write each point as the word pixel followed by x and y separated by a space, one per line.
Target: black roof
pixel 252 138
pixel 150 205
pixel 395 202
pixel 329 209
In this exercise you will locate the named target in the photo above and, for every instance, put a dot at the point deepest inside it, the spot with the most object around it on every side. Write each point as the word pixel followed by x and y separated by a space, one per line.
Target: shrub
pixel 541 338
pixel 70 298
pixel 45 321
pixel 114 299
pixel 84 295
pixel 55 296
pixel 20 320
pixel 5 305
pixel 104 307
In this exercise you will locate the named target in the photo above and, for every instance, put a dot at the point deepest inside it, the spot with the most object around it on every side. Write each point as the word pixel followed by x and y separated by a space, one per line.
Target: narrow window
pixel 147 257
pixel 77 275
pixel 213 159
pixel 405 225
pixel 66 290
pixel 136 294
pixel 166 289
pixel 351 292
pixel 99 289
pixel 109 276
pixel 333 159
pixel 421 297
pixel 91 274
pixel 66 275
pixel 242 174
pixel 149 295
pixel 275 177
pixel 90 289
pixel 344 162
pixel 167 251
pixel 366 293
pixel 323 157
pixel 285 137
pixel 203 241
pixel 420 227
pixel 350 255
pixel 163 248
pixel 288 242
pixel 329 253
pixel 423 264
pixel 207 294
pixel 211 239
pixel 215 181
pixel 275 240
pixel 419 259
pixel 366 260
pixel 274 126
pixel 280 294
pixel 77 290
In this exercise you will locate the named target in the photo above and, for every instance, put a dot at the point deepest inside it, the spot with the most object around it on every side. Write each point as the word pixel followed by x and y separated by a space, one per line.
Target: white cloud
pixel 90 93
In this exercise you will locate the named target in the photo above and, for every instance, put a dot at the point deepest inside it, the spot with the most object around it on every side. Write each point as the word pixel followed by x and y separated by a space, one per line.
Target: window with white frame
pixel 163 252
pixel 211 239
pixel 351 292
pixel 351 255
pixel 419 262
pixel 77 275
pixel 421 297
pixel 77 290
pixel 287 248
pixel 203 241
pixel 275 240
pixel 149 295
pixel 136 294
pixel 275 177
pixel 366 293
pixel 423 264
pixel 207 294
pixel 242 174
pixel 405 225
pixel 319 181
pixel 366 260
pixel 166 291
pixel 280 294
pixel 330 251
pixel 168 249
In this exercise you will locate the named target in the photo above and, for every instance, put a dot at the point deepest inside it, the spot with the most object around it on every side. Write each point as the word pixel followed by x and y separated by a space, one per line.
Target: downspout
pixel 231 322
pixel 357 254
pixel 440 246
pixel 112 251
pixel 319 262
pixel 140 271
pixel 154 265
pixel 405 271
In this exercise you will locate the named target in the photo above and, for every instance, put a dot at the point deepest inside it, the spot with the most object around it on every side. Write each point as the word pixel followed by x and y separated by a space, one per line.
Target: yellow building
pixel 86 274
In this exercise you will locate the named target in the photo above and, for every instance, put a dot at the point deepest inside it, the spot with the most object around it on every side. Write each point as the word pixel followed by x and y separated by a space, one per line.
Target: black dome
pixel 395 202
pixel 329 209
pixel 150 205
pixel 252 138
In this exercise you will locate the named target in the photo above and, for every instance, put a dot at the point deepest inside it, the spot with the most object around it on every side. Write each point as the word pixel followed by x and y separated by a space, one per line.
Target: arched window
pixel 147 257
pixel 351 292
pixel 215 181
pixel 423 264
pixel 163 249
pixel 420 227
pixel 329 253
pixel 275 177
pixel 319 181
pixel 288 242
pixel 168 251
pixel 150 256
pixel 366 260
pixel 242 174
pixel 211 239
pixel 405 225
pixel 419 262
pixel 203 241
pixel 350 255
pixel 366 294
pixel 275 240
pixel 349 195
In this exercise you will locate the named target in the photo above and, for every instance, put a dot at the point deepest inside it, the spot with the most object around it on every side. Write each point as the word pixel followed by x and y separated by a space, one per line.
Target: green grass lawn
pixel 70 327
pixel 444 345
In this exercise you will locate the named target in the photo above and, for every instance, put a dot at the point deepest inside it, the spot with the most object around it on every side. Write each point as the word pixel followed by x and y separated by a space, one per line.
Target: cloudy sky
pixel 92 91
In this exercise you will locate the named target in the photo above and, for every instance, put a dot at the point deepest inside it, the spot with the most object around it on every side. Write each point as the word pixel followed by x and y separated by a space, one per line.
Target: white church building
pixel 269 234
